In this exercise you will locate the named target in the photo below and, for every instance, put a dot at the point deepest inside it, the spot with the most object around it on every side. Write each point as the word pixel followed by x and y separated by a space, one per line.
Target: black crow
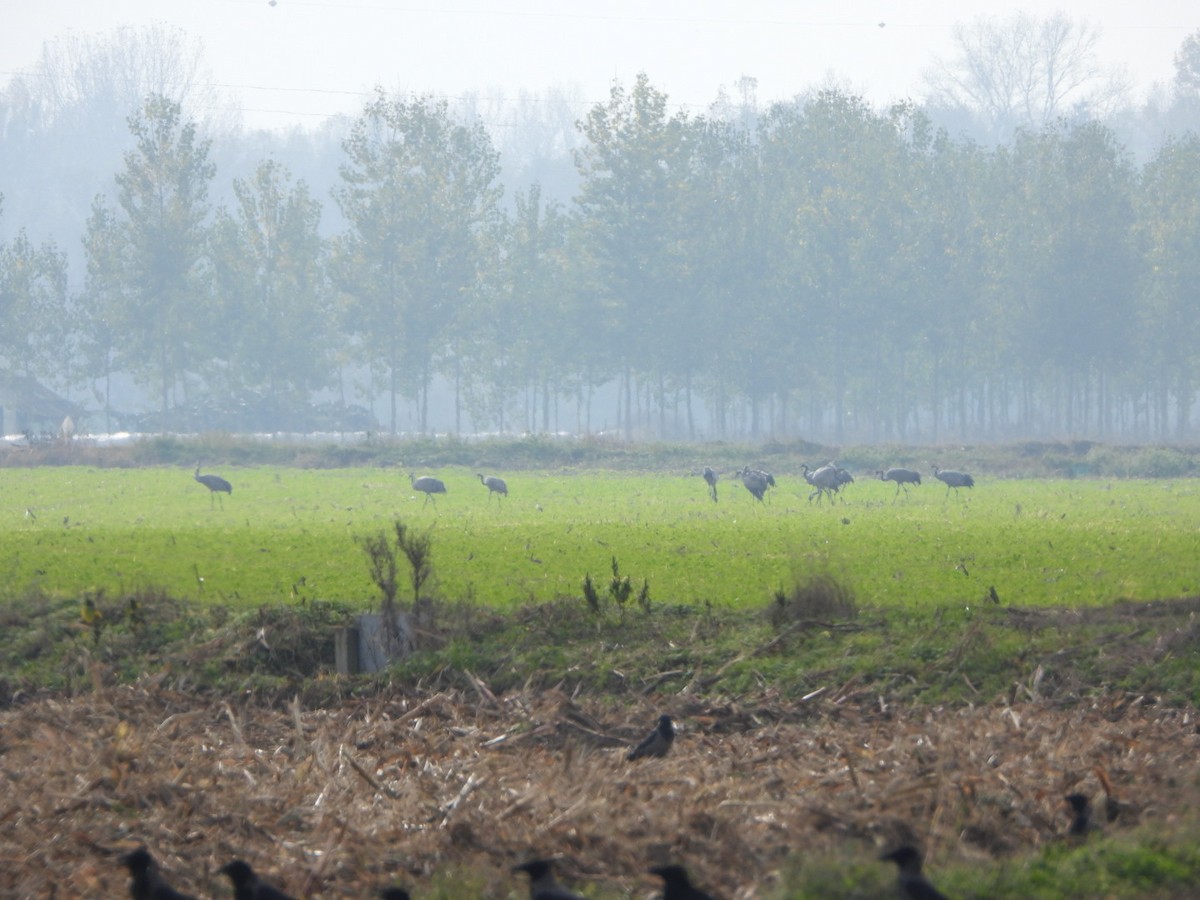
pixel 912 883
pixel 247 885
pixel 542 883
pixel 148 882
pixel 394 893
pixel 1081 810
pixel 677 885
pixel 657 742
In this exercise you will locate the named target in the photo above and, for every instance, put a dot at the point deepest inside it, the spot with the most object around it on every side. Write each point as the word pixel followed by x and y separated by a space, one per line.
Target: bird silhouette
pixel 1082 823
pixel 827 479
pixel 393 893
pixel 902 477
pixel 494 485
pixel 913 884
pixel 757 482
pixel 542 883
pixel 657 742
pixel 677 885
pixel 247 885
pixel 215 484
pixel 147 881
pixel 953 479
pixel 428 485
pixel 710 477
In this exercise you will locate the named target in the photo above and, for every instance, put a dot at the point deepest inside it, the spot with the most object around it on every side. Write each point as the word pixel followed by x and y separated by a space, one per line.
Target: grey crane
pixel 427 485
pixel 757 481
pixel 953 479
pixel 215 484
pixel 710 477
pixel 542 883
pixel 826 479
pixel 902 477
pixel 495 485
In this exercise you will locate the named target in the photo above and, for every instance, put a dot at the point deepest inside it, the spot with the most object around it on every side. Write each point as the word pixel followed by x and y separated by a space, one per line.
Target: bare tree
pixel 106 78
pixel 1187 66
pixel 1025 72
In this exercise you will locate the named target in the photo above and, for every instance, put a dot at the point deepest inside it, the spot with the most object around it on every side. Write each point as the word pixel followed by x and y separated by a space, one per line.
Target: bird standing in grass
pixel 902 477
pixel 710 478
pixel 215 484
pixel 757 482
pixel 393 893
pixel 427 485
pixel 677 885
pixel 147 881
pixel 1082 823
pixel 542 883
pixel 494 485
pixel 953 479
pixel 657 742
pixel 247 885
pixel 913 884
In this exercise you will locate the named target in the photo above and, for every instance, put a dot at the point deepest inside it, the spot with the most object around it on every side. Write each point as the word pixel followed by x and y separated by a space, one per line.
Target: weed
pixel 814 598
pixel 416 549
pixel 591 596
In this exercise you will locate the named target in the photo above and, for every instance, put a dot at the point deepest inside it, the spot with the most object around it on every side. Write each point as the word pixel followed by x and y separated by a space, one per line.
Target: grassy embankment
pixel 913 576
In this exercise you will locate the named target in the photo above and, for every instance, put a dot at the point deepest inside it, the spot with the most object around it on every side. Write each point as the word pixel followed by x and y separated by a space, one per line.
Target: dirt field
pixel 336 802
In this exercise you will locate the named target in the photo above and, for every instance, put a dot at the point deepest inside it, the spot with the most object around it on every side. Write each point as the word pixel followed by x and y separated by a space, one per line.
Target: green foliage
pixel 418 193
pixel 266 263
pixel 152 311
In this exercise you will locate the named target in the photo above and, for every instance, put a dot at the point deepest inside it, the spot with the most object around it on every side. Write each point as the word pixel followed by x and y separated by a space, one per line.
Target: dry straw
pixel 335 802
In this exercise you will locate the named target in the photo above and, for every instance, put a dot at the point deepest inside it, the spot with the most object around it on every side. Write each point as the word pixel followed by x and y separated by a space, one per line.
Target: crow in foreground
pixel 677 885
pixel 246 884
pixel 912 883
pixel 542 883
pixel 1081 810
pixel 394 893
pixel 148 882
pixel 657 742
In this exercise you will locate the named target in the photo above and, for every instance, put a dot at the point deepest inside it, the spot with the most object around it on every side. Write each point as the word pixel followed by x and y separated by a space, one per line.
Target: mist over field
pixel 986 264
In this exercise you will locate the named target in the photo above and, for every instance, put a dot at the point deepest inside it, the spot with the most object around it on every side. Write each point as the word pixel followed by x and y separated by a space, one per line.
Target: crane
pixel 428 485
pixel 953 479
pixel 710 478
pixel 902 477
pixel 215 484
pixel 826 479
pixel 494 485
pixel 757 482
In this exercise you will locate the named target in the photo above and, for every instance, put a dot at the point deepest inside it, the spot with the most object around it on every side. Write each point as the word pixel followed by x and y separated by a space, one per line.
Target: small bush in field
pixel 818 597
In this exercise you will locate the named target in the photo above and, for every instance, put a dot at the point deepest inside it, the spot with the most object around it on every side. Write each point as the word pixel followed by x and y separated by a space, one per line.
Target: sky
pixel 298 62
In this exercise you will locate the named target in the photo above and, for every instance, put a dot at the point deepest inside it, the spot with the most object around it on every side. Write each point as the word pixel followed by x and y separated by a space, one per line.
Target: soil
pixel 338 801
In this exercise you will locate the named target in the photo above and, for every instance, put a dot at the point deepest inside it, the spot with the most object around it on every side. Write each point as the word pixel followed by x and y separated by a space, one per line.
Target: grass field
pixel 814 731
pixel 289 533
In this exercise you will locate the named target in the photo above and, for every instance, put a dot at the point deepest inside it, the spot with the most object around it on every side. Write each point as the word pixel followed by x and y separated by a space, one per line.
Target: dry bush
pixel 814 598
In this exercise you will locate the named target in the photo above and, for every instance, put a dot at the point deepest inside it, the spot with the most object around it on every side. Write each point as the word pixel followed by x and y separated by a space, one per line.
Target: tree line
pixel 819 268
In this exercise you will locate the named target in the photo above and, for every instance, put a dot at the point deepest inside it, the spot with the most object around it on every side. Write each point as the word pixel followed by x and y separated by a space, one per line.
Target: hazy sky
pixel 302 60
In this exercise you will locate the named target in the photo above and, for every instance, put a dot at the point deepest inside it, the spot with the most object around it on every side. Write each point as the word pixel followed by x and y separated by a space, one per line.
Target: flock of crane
pixel 826 481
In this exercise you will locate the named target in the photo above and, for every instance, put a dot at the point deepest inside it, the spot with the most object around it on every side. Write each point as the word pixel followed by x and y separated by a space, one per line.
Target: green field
pixel 293 533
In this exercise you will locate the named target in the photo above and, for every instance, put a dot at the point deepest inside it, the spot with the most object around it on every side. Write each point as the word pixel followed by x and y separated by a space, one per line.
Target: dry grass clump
pixel 334 802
